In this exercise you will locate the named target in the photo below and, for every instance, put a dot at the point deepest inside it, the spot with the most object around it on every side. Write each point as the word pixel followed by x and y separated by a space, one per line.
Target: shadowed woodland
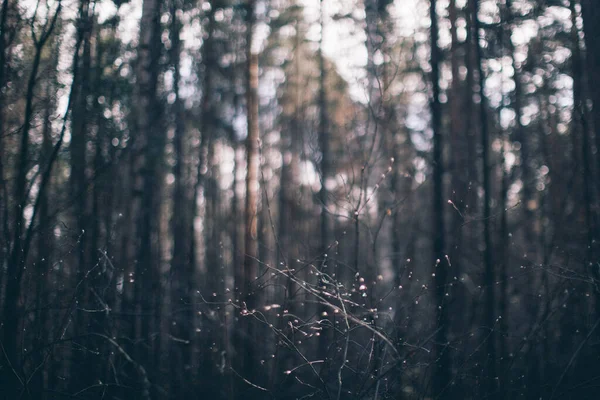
pixel 299 199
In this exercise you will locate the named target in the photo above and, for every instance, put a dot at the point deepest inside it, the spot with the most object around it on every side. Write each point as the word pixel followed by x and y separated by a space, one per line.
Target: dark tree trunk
pixel 4 203
pixel 458 164
pixel 581 126
pixel 78 188
pixel 443 366
pixel 12 337
pixel 181 274
pixel 148 149
pixel 488 261
pixel 250 267
pixel 325 167
pixel 590 13
pixel 520 135
pixel 288 254
pixel 45 246
pixel 503 249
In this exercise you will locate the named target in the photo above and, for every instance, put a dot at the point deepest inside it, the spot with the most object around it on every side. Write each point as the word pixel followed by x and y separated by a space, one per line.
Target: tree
pixel 442 371
pixel 249 295
pixel 148 146
pixel 488 260
pixel 182 270
pixel 591 16
pixel 325 167
pixel 21 241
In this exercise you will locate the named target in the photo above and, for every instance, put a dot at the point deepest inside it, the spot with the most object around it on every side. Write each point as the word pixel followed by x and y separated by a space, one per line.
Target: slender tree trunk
pixel 591 18
pixel 591 28
pixel 78 189
pixel 181 270
pixel 4 203
pixel 527 176
pixel 106 198
pixel 503 241
pixel 581 129
pixel 250 268
pixel 288 256
pixel 458 165
pixel 77 148
pixel 206 127
pixel 44 249
pixel 325 167
pixel 462 159
pixel 148 149
pixel 504 252
pixel 471 203
pixel 489 275
pixel 443 367
pixel 97 223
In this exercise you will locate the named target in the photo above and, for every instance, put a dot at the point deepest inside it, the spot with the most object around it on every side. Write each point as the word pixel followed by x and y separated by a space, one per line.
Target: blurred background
pixel 296 199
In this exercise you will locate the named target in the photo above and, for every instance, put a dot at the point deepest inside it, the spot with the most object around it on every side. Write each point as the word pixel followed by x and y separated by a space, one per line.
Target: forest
pixel 299 199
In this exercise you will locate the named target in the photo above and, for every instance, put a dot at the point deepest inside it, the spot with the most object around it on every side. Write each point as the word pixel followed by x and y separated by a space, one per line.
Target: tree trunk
pixel 4 203
pixel 181 324
pixel 78 188
pixel 590 13
pixel 148 149
pixel 288 254
pixel 250 270
pixel 527 177
pixel 443 367
pixel 325 167
pixel 44 248
pixel 459 168
pixel 503 245
pixel 581 126
pixel 489 276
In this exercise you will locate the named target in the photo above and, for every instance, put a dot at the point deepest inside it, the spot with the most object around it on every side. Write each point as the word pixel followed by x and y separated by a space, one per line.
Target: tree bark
pixel 325 167
pixel 4 203
pixel 21 238
pixel 78 186
pixel 250 268
pixel 527 177
pixel 443 367
pixel 148 149
pixel 488 261
pixel 181 326
pixel 590 13
pixel 581 128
